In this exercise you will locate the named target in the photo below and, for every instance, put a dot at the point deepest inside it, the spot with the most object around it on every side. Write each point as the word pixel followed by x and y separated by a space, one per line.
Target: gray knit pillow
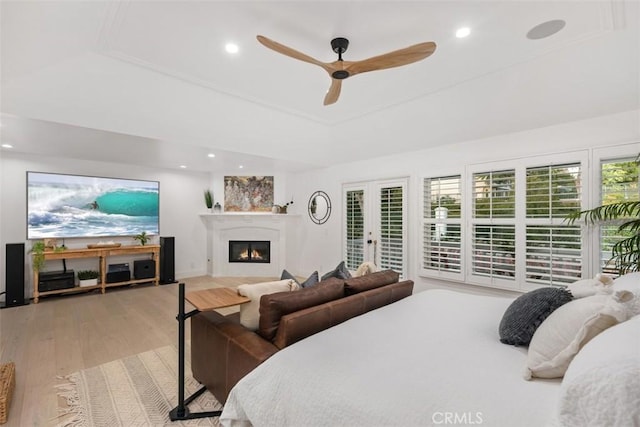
pixel 311 280
pixel 341 272
pixel 528 311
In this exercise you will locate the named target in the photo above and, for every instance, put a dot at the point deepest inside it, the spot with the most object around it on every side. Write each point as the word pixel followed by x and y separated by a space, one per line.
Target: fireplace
pixel 250 251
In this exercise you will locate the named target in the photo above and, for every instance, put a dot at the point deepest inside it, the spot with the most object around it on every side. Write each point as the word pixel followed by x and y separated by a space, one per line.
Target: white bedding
pixel 430 359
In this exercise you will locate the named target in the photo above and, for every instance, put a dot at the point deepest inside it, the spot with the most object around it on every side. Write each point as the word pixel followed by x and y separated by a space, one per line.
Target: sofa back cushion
pixel 274 306
pixel 356 285
pixel 303 323
pixel 249 312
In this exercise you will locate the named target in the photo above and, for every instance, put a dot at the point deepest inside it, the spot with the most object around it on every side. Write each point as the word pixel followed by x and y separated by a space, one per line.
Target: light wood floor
pixel 62 335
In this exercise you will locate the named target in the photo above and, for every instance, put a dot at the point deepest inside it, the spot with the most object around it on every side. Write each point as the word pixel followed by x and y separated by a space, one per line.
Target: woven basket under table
pixel 7 384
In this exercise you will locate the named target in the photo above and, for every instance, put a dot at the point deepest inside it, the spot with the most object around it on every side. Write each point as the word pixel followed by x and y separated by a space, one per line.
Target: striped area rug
pixel 139 390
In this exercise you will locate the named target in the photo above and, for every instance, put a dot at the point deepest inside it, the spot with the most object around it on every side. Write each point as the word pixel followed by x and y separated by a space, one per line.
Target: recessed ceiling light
pixel 463 32
pixel 7 146
pixel 183 166
pixel 211 155
pixel 546 29
pixel 240 167
pixel 231 48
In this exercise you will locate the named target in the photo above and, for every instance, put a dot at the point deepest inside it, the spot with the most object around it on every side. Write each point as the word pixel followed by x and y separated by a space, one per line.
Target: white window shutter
pixel 354 229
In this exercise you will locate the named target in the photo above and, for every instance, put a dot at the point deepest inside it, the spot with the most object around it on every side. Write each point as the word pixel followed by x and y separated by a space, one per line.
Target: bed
pixel 431 359
pixel 435 358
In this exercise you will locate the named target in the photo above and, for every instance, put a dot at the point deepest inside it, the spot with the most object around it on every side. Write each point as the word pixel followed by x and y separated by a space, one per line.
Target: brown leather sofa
pixel 223 351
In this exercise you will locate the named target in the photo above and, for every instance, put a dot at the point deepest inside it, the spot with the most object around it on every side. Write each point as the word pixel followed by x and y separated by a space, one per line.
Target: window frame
pixel 520 220
pixel 592 231
pixel 442 274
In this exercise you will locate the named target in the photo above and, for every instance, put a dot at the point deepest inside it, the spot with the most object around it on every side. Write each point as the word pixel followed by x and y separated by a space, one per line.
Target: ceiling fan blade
pixel 285 50
pixel 334 92
pixel 396 58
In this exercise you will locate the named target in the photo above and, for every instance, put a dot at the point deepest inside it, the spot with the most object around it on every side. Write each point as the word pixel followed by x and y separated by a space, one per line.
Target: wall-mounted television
pixel 60 206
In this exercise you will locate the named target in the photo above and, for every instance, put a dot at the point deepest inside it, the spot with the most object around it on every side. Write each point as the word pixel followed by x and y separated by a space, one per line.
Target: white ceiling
pixel 149 82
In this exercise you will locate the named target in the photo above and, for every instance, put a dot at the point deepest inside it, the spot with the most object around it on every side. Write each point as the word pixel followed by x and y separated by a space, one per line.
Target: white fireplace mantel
pixel 225 215
pixel 279 229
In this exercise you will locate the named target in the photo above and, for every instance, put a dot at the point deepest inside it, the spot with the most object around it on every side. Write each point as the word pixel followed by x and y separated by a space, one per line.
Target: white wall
pixel 181 199
pixel 318 247
pixel 321 244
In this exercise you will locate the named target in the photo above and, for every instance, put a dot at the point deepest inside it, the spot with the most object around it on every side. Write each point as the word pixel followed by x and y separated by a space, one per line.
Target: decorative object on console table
pixel 143 238
pixel 37 249
pixel 217 208
pixel 103 245
pixel 88 278
pixel 50 244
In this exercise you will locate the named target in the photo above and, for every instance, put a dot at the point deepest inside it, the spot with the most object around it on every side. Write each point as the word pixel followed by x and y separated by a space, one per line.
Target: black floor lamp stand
pixel 181 412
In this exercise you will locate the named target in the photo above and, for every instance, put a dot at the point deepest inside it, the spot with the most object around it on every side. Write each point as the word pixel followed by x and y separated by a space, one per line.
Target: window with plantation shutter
pixel 505 223
pixel 391 229
pixel 493 230
pixel 494 194
pixel 354 228
pixel 553 248
pixel 618 183
pixel 441 226
pixel 494 251
pixel 554 254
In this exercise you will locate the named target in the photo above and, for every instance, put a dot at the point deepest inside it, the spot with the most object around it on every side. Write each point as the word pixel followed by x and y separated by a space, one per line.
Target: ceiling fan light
pixel 463 32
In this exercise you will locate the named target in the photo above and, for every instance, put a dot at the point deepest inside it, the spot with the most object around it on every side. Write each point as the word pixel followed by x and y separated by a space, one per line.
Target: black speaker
pixel 167 260
pixel 14 275
pixel 118 273
pixel 54 280
pixel 144 269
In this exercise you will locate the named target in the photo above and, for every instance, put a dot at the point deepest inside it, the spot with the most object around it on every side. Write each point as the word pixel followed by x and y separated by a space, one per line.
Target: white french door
pixel 374 224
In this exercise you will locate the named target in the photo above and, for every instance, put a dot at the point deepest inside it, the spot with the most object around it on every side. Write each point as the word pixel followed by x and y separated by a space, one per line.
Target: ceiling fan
pixel 340 69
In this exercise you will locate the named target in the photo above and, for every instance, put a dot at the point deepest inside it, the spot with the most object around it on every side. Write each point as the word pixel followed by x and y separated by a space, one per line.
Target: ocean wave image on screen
pixel 64 206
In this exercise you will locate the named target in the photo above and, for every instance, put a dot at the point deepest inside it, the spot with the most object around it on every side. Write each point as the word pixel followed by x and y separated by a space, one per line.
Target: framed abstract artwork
pixel 248 193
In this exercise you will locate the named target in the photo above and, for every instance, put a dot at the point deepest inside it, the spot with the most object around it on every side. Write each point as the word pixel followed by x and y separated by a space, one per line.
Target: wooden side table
pixel 204 300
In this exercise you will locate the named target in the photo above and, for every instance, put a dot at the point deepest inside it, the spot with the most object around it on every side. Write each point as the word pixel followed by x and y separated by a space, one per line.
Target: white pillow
pixel 601 284
pixel 250 312
pixel 628 282
pixel 569 328
pixel 365 268
pixel 602 385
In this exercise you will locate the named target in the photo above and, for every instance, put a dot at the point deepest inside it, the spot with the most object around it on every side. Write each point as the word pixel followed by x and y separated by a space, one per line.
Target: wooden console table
pixel 102 254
